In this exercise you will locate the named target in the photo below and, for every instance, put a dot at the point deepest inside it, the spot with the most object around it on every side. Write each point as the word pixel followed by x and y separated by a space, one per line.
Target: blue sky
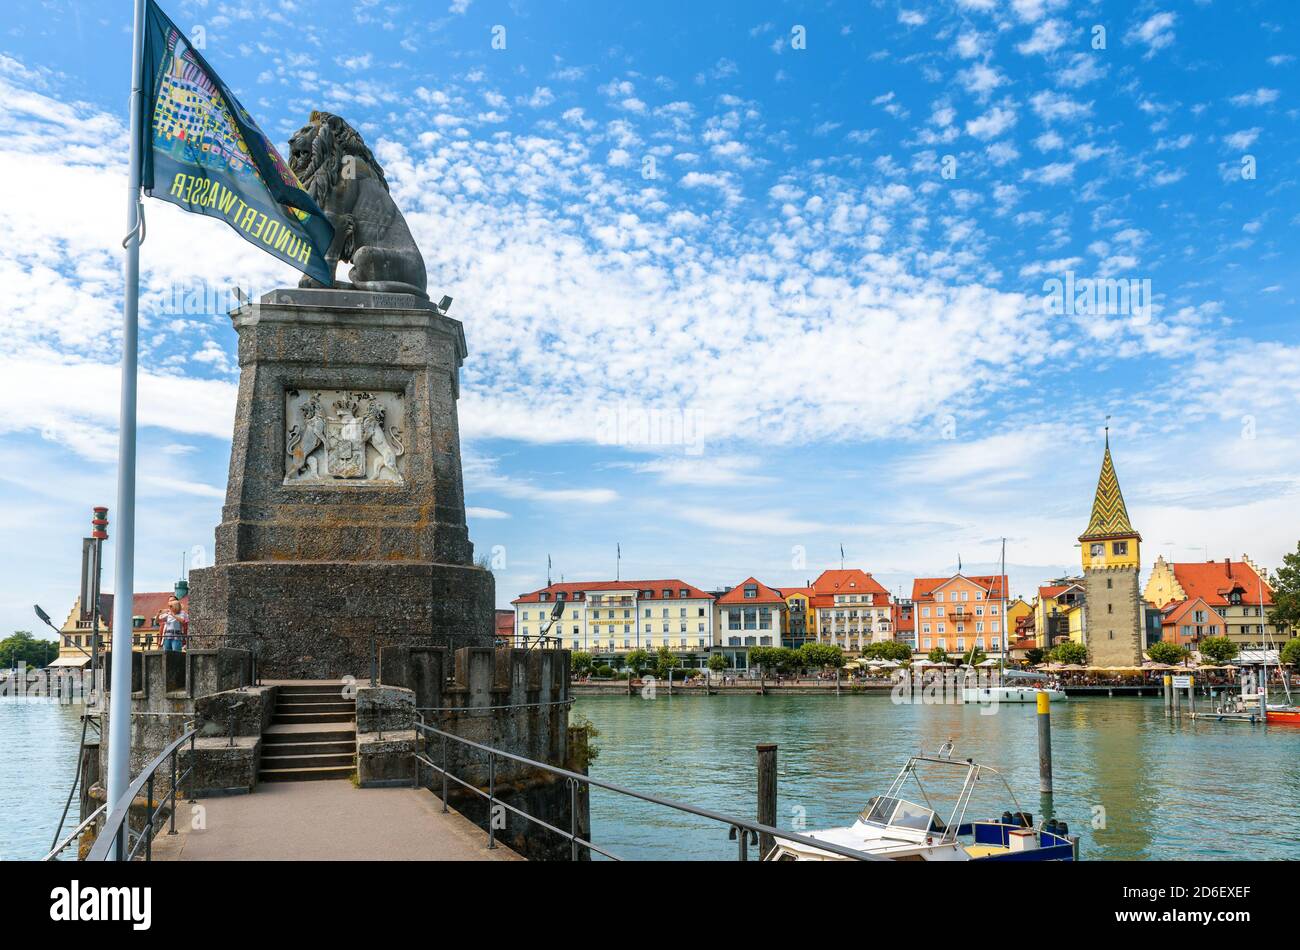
pixel 813 238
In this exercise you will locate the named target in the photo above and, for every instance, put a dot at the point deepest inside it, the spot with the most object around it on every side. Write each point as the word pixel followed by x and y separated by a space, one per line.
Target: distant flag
pixel 618 569
pixel 202 151
pixel 548 570
pixel 958 563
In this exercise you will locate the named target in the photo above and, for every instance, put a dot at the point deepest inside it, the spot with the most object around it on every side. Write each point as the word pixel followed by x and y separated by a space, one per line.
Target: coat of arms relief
pixel 335 435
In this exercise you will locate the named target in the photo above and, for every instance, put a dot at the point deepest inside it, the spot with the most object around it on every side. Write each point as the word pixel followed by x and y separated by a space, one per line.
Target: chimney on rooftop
pixel 1227 563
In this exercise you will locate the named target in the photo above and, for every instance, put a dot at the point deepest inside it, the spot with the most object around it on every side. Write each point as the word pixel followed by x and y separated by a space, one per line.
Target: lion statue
pixel 337 169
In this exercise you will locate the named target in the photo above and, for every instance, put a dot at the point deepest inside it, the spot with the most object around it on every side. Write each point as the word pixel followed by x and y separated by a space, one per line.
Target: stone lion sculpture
pixel 337 169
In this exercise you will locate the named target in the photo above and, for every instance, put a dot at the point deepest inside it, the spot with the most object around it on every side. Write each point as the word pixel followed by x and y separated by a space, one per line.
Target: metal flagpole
pixel 119 719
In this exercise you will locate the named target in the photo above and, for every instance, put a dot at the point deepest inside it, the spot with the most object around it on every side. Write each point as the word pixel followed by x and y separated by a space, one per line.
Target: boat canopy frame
pixel 943 758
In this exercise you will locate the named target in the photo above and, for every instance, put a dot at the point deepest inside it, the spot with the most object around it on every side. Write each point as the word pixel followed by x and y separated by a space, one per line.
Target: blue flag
pixel 202 151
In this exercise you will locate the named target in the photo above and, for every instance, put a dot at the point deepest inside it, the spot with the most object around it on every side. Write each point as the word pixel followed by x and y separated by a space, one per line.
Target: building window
pixel 1119 547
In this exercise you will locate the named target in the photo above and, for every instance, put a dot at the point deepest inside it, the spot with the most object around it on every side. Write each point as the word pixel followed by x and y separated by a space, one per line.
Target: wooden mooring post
pixel 766 795
pixel 1169 695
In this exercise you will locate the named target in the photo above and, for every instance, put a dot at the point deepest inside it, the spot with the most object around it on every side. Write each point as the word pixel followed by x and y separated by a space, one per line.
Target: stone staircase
pixel 312 736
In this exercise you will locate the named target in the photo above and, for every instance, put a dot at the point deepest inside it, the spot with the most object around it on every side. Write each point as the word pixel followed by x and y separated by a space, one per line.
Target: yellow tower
pixel 1111 552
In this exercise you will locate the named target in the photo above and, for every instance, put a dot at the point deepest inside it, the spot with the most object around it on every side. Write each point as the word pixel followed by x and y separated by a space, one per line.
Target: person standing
pixel 174 621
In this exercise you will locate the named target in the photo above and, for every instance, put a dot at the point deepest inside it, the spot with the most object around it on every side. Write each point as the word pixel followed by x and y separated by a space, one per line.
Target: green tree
pixel 1218 649
pixel 22 647
pixel 665 661
pixel 1069 652
pixel 894 650
pixel 1162 651
pixel 821 655
pixel 1286 593
pixel 937 655
pixel 974 657
pixel 764 658
pixel 717 662
pixel 580 662
pixel 1290 654
pixel 637 661
pixel 1034 655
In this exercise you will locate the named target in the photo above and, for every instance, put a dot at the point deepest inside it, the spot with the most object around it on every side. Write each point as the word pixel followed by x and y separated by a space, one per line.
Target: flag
pixel 201 150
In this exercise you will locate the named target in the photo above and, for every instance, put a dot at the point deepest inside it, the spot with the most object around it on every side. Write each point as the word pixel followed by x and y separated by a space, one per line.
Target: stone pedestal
pixel 344 520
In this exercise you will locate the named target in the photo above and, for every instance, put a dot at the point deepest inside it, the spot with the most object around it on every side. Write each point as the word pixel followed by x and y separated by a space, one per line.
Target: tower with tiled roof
pixel 1111 553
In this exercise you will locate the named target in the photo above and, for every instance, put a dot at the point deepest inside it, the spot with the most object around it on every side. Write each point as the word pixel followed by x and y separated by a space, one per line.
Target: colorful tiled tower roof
pixel 1109 515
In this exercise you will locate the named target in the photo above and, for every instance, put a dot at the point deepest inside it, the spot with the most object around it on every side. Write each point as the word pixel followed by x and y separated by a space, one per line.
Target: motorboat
pixel 1025 691
pixel 895 828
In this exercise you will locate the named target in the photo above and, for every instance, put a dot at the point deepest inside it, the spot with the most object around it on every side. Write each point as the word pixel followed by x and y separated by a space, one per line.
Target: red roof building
pixel 851 609
pixel 609 619
pixel 1237 591
pixel 960 613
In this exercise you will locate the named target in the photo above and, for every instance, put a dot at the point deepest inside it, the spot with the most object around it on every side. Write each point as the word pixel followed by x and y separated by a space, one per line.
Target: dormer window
pixel 1235 598
pixel 667 592
pixel 683 593
pixel 751 592
pixel 543 596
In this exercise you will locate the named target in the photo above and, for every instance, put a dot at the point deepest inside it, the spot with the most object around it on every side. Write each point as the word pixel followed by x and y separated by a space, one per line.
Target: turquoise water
pixel 38 760
pixel 1179 791
pixel 1156 789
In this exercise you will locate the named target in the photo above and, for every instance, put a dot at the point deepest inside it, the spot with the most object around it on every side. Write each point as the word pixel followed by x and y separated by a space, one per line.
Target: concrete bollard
pixel 1044 744
pixel 766 795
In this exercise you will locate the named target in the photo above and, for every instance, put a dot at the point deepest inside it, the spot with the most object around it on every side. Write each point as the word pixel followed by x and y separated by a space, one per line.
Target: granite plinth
pixel 313 620
pixel 344 518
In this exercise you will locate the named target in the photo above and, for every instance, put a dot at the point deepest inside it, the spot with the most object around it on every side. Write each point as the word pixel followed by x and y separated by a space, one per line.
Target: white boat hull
pixel 1009 694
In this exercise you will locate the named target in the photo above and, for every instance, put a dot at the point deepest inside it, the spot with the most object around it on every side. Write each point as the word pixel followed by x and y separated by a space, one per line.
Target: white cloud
pixel 1156 32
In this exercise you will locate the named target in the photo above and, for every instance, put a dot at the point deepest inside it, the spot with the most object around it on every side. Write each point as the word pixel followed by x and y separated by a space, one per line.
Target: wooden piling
pixel 1191 695
pixel 766 795
pixel 1169 695
pixel 1044 744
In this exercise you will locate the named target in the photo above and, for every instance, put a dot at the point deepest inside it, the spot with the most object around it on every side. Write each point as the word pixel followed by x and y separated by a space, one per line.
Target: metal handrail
pixel 112 843
pixel 741 830
pixel 72 836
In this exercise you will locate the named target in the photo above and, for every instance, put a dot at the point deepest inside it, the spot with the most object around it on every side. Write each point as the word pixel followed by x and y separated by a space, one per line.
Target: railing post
pixel 444 774
pixel 492 799
pixel 193 738
pixel 148 841
pixel 171 819
pixel 573 819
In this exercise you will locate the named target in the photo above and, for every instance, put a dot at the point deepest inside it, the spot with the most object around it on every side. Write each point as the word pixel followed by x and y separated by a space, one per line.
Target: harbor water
pixel 1130 782
pixel 39 738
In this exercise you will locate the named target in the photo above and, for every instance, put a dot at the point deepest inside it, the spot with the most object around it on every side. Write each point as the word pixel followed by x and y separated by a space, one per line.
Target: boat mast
pixel 1002 654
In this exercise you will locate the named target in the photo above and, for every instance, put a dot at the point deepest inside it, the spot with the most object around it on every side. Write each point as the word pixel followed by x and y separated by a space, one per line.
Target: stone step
pixel 272 739
pixel 313 695
pixel 306 774
pixel 287 719
pixel 341 746
pixel 277 762
pixel 283 708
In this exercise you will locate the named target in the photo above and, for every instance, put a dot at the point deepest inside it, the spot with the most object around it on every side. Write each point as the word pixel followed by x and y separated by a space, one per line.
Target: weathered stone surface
pixel 220 767
pixel 383 709
pixel 310 569
pixel 247 709
pixel 314 620
pixel 386 759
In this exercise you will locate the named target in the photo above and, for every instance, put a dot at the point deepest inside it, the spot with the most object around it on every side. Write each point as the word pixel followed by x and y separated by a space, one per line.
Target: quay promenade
pixel 325 821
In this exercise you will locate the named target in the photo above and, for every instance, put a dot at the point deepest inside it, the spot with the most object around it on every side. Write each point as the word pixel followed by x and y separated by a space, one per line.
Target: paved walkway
pixel 326 821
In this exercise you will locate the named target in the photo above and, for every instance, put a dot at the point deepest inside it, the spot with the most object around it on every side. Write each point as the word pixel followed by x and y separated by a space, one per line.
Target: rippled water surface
pixel 1156 789
pixel 38 760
